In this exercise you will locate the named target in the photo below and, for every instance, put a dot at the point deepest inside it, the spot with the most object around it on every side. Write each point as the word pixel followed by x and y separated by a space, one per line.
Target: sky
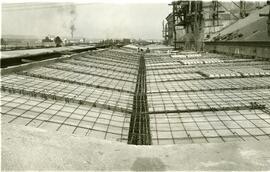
pixel 92 20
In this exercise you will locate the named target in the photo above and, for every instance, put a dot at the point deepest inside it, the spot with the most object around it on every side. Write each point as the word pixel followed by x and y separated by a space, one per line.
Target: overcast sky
pixel 94 20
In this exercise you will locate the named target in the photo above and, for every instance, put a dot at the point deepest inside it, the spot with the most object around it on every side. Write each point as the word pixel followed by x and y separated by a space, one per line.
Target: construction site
pixel 199 101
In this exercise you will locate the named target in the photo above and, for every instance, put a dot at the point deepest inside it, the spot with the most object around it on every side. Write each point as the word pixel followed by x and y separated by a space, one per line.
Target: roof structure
pixel 145 99
pixel 251 28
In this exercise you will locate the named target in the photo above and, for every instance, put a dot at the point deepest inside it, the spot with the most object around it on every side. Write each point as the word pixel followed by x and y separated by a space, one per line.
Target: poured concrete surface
pixel 32 52
pixel 28 148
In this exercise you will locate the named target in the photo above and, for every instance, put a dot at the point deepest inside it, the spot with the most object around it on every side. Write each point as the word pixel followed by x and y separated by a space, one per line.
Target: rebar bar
pixel 139 130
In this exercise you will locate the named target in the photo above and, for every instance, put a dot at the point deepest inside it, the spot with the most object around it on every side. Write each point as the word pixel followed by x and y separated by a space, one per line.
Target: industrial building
pixel 216 26
pixel 201 102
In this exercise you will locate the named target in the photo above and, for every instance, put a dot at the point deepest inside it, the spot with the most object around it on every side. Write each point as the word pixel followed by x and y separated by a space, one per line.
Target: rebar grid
pixel 139 130
pixel 106 62
pixel 66 117
pixel 209 85
pixel 229 64
pixel 183 104
pixel 73 83
pixel 115 76
pixel 206 100
pixel 185 108
pixel 80 79
pixel 210 126
pixel 195 69
pixel 56 90
pixel 128 75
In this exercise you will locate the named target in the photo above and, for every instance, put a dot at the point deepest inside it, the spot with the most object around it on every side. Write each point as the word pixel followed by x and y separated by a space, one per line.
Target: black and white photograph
pixel 135 85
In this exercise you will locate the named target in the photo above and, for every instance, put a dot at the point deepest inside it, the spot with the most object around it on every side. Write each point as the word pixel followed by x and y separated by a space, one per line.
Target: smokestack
pixel 72 29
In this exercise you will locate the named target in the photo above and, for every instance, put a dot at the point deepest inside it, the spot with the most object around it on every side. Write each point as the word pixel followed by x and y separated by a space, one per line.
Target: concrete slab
pixel 31 52
pixel 28 148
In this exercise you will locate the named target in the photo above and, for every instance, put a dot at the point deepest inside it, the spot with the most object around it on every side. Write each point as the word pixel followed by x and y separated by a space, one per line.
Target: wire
pixel 228 10
pixel 23 8
pixel 236 4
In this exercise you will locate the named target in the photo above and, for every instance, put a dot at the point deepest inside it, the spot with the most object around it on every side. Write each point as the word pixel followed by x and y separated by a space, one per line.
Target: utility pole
pixel 174 24
pixel 243 12
pixel 215 15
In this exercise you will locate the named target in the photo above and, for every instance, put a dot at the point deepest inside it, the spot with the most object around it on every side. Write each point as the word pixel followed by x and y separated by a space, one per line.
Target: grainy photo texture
pixel 135 85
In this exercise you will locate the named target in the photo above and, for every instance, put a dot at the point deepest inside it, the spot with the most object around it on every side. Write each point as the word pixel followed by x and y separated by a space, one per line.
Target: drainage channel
pixel 139 129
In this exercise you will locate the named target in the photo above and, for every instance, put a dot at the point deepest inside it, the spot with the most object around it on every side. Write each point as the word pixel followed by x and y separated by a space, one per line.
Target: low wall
pixel 247 49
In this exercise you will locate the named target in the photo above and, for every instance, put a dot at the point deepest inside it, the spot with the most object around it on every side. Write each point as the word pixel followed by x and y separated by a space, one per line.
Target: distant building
pixel 169 32
pixel 48 42
pixel 83 40
pixel 126 41
pixel 169 35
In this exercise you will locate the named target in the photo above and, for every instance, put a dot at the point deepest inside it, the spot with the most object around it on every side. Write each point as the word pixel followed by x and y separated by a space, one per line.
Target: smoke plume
pixel 68 15
pixel 73 16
